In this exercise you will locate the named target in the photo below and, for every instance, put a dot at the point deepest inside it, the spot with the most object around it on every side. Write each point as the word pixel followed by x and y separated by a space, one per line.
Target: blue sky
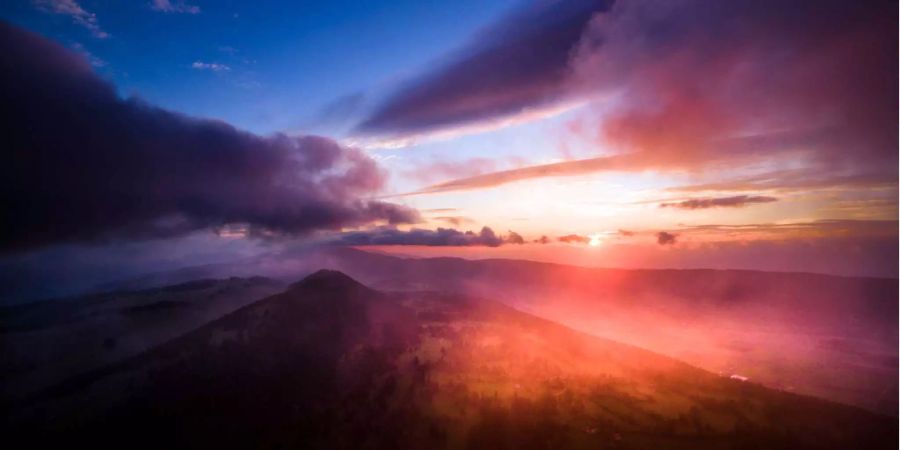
pixel 545 118
pixel 280 66
pixel 285 60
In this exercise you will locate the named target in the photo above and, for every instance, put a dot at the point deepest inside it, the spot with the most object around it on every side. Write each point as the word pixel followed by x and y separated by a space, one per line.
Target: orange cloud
pixel 566 168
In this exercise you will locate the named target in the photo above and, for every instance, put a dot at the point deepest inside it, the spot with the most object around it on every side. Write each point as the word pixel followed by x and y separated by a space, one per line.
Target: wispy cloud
pixel 453 220
pixel 78 14
pixel 811 179
pixel 794 230
pixel 215 67
pixel 442 170
pixel 786 181
pixel 440 210
pixel 492 179
pixel 92 59
pixel 178 6
pixel 737 201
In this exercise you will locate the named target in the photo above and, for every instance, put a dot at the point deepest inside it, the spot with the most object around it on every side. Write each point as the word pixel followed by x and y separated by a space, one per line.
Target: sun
pixel 595 240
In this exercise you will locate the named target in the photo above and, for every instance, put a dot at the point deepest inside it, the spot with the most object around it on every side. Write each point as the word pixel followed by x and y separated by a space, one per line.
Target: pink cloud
pixel 737 201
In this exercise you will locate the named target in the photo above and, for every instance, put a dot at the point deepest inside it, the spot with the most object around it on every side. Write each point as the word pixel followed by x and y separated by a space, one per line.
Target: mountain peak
pixel 327 279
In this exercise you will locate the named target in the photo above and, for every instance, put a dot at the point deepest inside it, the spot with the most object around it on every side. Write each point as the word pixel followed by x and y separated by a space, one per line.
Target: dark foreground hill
pixel 330 363
pixel 46 342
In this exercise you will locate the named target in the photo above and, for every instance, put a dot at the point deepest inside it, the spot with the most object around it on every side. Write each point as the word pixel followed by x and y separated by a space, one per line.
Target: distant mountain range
pixel 829 336
pixel 331 363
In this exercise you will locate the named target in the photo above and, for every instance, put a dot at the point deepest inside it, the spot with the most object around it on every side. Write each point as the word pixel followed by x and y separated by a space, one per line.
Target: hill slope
pixel 46 342
pixel 827 336
pixel 330 363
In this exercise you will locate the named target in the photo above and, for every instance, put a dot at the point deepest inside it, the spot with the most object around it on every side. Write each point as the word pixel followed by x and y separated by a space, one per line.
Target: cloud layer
pixel 215 67
pixel 83 164
pixel 178 6
pixel 442 237
pixel 519 64
pixel 736 201
pixel 565 168
pixel 746 77
pixel 72 9
pixel 685 85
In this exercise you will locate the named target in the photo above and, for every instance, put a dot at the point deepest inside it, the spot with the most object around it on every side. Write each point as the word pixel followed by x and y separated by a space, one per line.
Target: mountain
pixel 43 343
pixel 331 363
pixel 827 336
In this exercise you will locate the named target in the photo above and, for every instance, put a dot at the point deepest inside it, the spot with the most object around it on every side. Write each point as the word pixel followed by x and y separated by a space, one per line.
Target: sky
pixel 156 134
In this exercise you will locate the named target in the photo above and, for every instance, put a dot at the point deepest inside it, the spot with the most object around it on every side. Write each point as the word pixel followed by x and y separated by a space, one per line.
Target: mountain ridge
pixel 330 363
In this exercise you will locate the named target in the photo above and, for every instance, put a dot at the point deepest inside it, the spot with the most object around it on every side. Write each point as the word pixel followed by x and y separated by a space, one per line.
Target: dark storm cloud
pixel 737 201
pixel 666 238
pixel 82 164
pixel 442 237
pixel 518 63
